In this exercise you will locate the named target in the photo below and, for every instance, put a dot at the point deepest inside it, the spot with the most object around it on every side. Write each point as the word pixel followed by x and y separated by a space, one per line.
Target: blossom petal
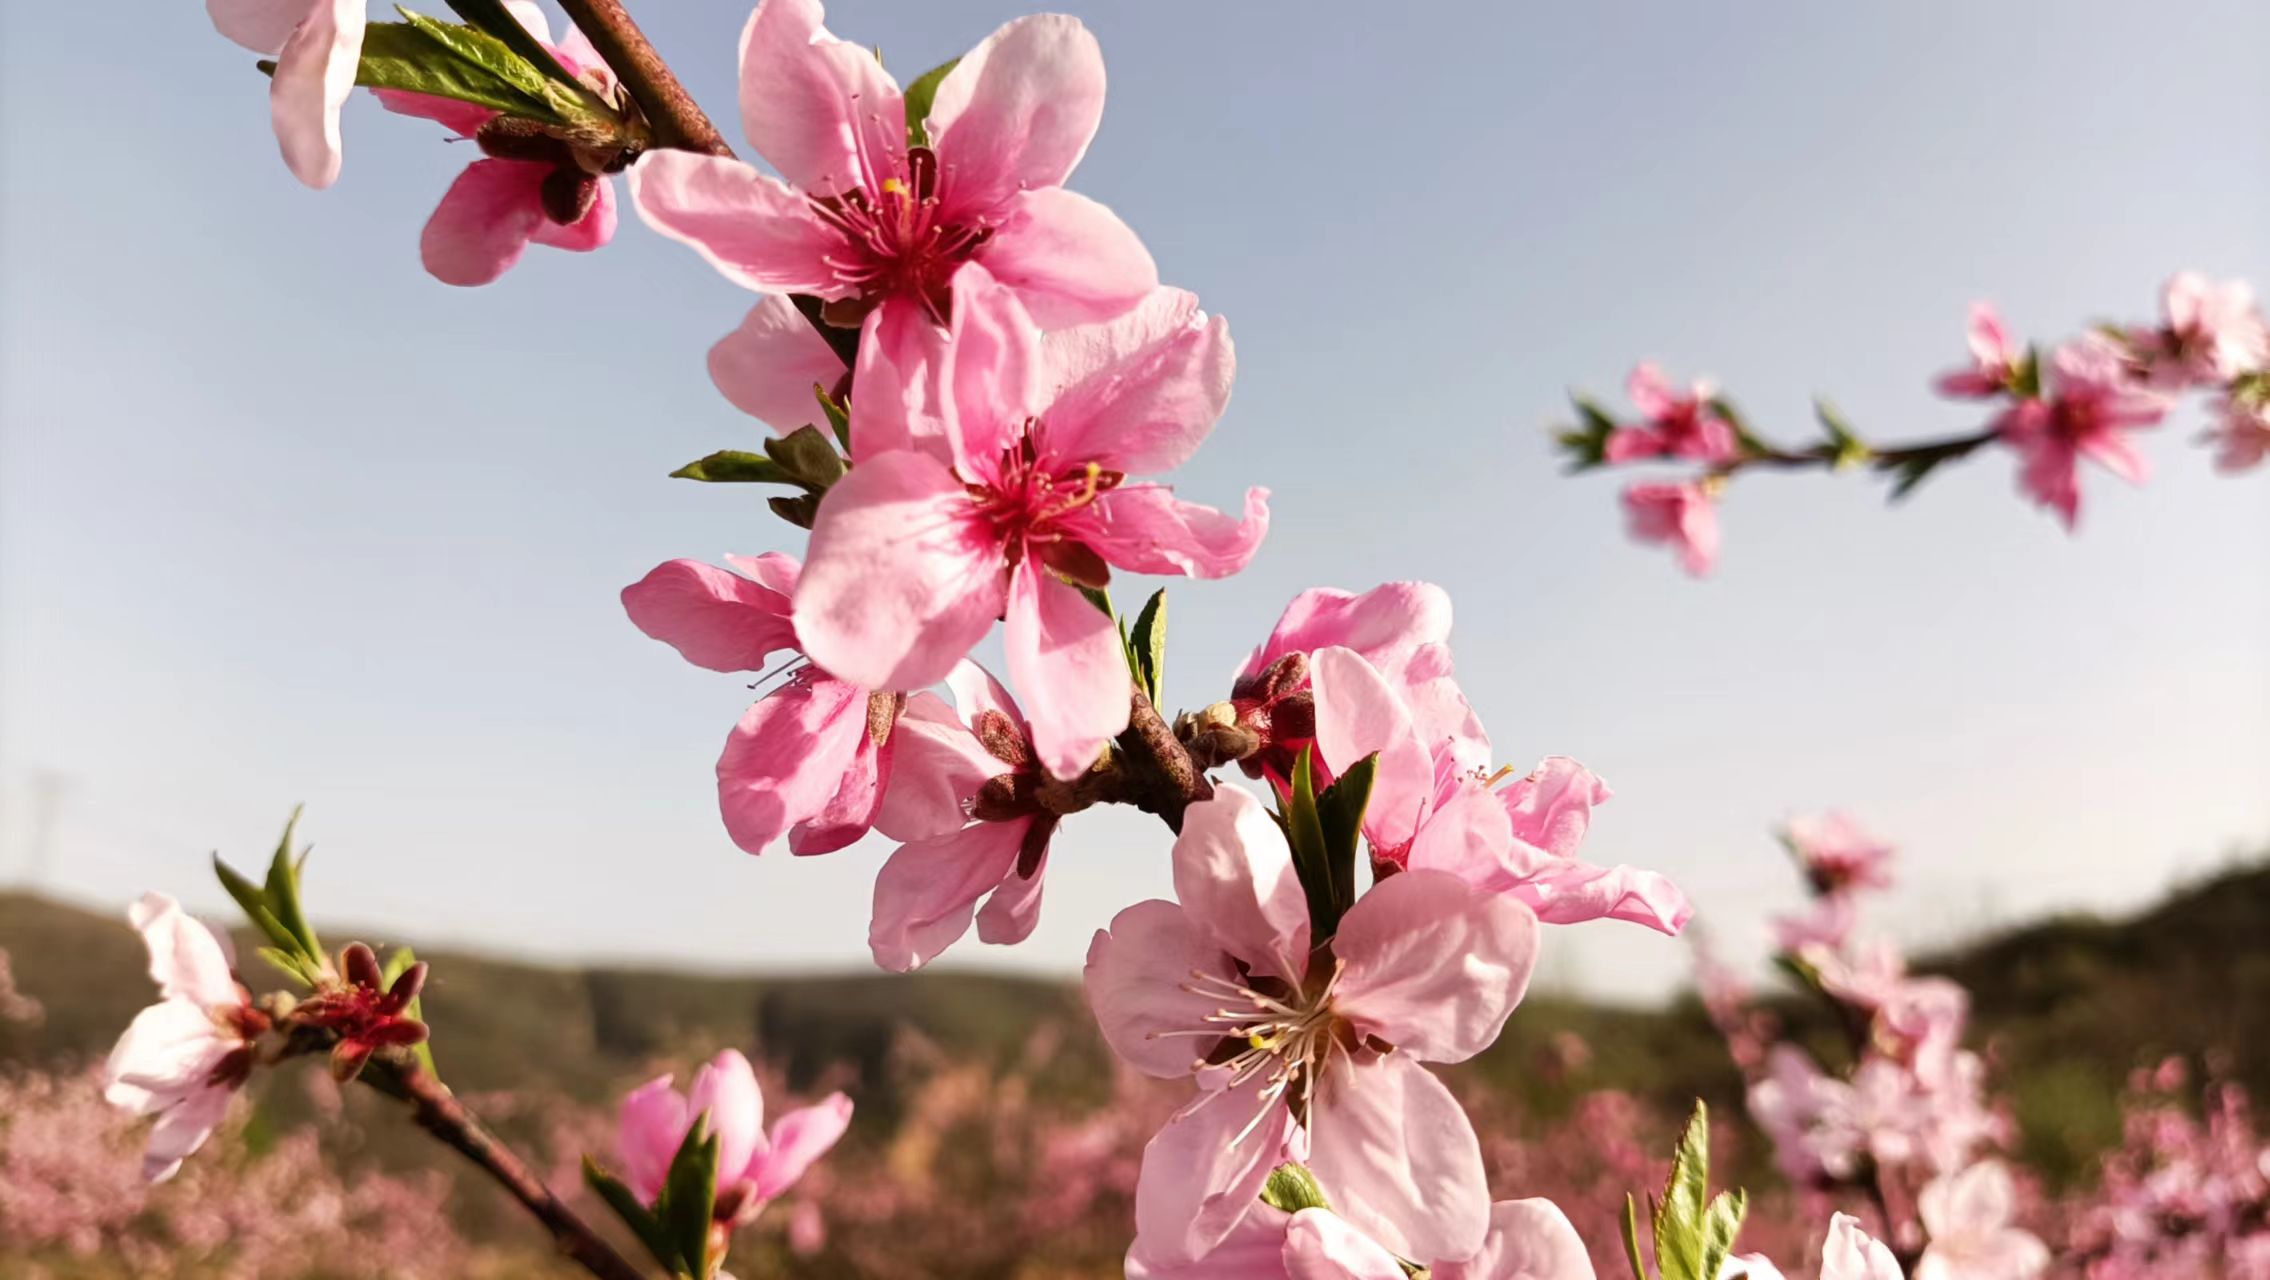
pixel 1069 259
pixel 1400 1158
pixel 1066 657
pixel 1850 1253
pixel 482 225
pixel 165 1055
pixel 1573 892
pixel 901 380
pixel 927 892
pixel 1552 807
pixel 1322 1245
pixel 188 961
pixel 461 118
pixel 648 1128
pixel 1137 979
pixel 821 110
pixel 1138 394
pixel 1528 1240
pixel 903 575
pixel 768 366
pixel 1019 110
pixel 1432 965
pixel 850 811
pixel 799 1138
pixel 1011 911
pixel 181 1130
pixel 1206 1166
pixel 1253 1250
pixel 726 1088
pixel 315 71
pixel 591 231
pixel 1359 714
pixel 1234 874
pixel 259 25
pixel 937 767
pixel 992 372
pixel 1146 529
pixel 787 758
pixel 714 618
pixel 1385 625
pixel 756 230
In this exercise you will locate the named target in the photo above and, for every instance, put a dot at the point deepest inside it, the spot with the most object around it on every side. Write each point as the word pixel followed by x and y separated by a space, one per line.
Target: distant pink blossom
pixel 504 202
pixel 1681 516
pixel 1967 1217
pixel 1994 359
pixel 810 760
pixel 1837 854
pixel 184 1057
pixel 2211 332
pixel 1526 1240
pixel 1825 924
pixel 882 230
pixel 1018 491
pixel 753 1165
pixel 1675 425
pixel 1290 1056
pixel 1850 1253
pixel 964 800
pixel 2241 433
pixel 317 45
pixel 2093 402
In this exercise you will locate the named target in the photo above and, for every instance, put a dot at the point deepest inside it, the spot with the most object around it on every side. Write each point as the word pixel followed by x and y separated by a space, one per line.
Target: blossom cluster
pixel 2186 1194
pixel 2084 401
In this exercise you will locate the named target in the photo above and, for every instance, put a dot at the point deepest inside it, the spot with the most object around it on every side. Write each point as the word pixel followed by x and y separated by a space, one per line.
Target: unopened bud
pixel 1006 796
pixel 1293 718
pixel 567 194
pixel 1001 737
pixel 1283 676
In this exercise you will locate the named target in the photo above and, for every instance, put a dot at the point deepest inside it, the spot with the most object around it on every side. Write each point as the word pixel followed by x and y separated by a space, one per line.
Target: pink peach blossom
pixel 810 760
pixel 753 1166
pixel 2094 402
pixel 1967 1218
pixel 1837 854
pixel 2211 332
pixel 2241 434
pixel 500 205
pixel 318 45
pixel 1675 426
pixel 1850 1253
pixel 1680 515
pixel 1021 492
pixel 882 230
pixel 1526 1240
pixel 1994 360
pixel 964 801
pixel 184 1057
pixel 1296 1060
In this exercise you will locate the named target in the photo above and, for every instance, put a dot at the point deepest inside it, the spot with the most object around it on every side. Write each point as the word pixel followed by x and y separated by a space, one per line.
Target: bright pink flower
pixel 501 204
pixel 1967 1217
pixel 1850 1253
pixel 318 44
pixel 965 800
pixel 1836 854
pixel 881 230
pixel 770 365
pixel 2211 333
pixel 185 1056
pixel 1526 1240
pixel 1291 1055
pixel 1022 492
pixel 753 1166
pixel 1430 810
pixel 1994 360
pixel 1681 515
pixel 2242 431
pixel 1685 426
pixel 2094 401
pixel 811 759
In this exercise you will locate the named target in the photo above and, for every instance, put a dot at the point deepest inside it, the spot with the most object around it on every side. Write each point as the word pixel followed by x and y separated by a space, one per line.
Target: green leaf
pixel 1293 1188
pixel 1910 473
pixel 802 510
pixel 492 17
pixel 1631 1238
pixel 289 964
pixel 1340 817
pixel 807 457
pixel 1587 444
pixel 1694 1232
pixel 1724 408
pixel 1312 862
pixel 425 56
pixel 733 466
pixel 282 893
pixel 838 413
pixel 1847 451
pixel 255 903
pixel 1147 645
pixel 1722 1222
pixel 644 1225
pixel 1099 597
pixel 919 96
pixel 689 1197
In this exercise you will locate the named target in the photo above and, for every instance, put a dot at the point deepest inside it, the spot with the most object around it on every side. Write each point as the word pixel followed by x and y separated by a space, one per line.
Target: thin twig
pixel 439 1113
pixel 677 120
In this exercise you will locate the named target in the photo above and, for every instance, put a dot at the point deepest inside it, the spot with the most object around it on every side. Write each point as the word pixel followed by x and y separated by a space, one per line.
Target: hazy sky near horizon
pixel 283 520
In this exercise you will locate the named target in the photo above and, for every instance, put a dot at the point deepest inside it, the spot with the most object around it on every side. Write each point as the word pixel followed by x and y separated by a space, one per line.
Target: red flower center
pixel 1031 497
pixel 897 242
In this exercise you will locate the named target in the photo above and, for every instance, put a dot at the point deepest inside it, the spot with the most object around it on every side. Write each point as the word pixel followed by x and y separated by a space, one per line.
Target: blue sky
pixel 282 519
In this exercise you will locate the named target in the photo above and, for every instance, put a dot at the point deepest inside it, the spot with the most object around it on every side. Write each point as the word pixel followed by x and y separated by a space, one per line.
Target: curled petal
pixel 1573 892
pixel 315 71
pixel 787 759
pixel 799 1138
pixel 482 225
pixel 1019 110
pixel 1433 966
pixel 1146 529
pixel 1552 807
pixel 756 230
pixel 713 618
pixel 928 891
pixel 1069 259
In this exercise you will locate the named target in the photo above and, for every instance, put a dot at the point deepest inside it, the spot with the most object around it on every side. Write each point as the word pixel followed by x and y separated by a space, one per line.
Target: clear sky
pixel 282 519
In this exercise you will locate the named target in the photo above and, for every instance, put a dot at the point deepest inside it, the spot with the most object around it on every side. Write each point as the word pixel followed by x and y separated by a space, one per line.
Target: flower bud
pixel 568 194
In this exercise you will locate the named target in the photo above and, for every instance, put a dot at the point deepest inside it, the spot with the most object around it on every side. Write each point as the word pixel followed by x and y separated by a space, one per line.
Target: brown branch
pixel 676 119
pixel 438 1112
pixel 1163 779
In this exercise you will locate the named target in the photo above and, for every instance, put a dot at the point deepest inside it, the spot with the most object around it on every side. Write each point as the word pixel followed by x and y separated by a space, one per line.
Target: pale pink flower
pixel 1295 1060
pixel 1850 1253
pixel 2093 402
pixel 2211 332
pixel 753 1165
pixel 1836 854
pixel 880 229
pixel 184 1057
pixel 1679 515
pixel 504 202
pixel 1430 811
pixel 1684 426
pixel 1966 1216
pixel 769 366
pixel 1824 925
pixel 964 800
pixel 1994 359
pixel 810 760
pixel 1022 491
pixel 2241 433
pixel 317 44
pixel 1526 1240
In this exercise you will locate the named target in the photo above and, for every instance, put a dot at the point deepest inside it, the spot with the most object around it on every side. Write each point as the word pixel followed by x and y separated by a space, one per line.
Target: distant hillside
pixel 2066 1007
